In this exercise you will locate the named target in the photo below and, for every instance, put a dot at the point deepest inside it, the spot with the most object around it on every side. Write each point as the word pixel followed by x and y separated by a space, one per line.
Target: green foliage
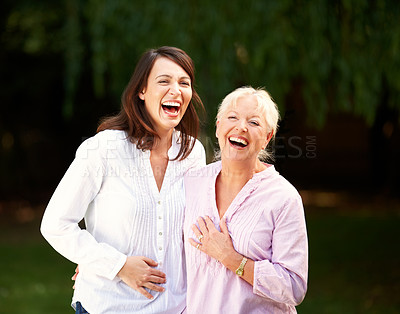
pixel 341 55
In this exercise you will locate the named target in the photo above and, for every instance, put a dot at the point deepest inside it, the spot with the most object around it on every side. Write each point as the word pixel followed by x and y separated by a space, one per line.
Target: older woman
pixel 245 232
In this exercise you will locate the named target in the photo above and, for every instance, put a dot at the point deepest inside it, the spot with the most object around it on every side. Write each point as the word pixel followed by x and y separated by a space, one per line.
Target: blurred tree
pixel 65 63
pixel 339 52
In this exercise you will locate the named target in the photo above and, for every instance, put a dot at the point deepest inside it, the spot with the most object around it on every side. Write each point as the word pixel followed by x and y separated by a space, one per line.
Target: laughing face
pixel 242 131
pixel 167 94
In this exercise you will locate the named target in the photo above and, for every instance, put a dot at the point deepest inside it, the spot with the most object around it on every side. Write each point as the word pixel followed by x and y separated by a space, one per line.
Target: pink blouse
pixel 266 223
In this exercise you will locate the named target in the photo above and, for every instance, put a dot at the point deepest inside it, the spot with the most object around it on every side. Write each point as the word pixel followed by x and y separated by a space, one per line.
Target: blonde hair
pixel 269 110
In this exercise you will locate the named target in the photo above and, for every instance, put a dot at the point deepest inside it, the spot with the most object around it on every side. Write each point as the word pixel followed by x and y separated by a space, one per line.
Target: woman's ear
pixel 269 136
pixel 141 94
pixel 216 129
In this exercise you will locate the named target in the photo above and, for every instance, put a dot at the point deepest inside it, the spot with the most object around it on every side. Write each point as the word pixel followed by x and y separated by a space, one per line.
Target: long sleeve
pixel 284 277
pixel 67 207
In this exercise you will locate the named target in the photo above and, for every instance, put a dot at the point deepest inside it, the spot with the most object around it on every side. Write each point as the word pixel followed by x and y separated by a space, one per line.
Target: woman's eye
pixel 232 117
pixel 163 82
pixel 254 123
pixel 185 83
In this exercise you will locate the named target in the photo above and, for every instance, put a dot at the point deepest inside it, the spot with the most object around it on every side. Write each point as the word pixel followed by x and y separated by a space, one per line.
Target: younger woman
pixel 127 183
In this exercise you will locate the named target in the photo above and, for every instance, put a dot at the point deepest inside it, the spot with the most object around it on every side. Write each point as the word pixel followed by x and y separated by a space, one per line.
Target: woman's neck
pixel 233 177
pixel 163 143
pixel 237 173
pixel 159 157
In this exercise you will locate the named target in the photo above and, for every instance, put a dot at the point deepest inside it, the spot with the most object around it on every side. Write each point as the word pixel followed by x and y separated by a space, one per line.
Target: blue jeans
pixel 80 309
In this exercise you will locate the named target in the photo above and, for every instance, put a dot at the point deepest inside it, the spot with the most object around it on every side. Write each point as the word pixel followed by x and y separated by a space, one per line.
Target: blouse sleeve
pixel 284 277
pixel 197 157
pixel 68 206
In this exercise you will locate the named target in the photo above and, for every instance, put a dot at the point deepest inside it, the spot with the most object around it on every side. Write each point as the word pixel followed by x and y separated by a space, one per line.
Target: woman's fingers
pixel 205 226
pixel 156 273
pixel 149 270
pixel 138 273
pixel 195 244
pixel 209 224
pixel 149 261
pixel 156 279
pixel 223 226
pixel 207 229
pixel 145 292
pixel 202 226
pixel 196 231
pixel 154 287
pixel 214 243
pixel 76 273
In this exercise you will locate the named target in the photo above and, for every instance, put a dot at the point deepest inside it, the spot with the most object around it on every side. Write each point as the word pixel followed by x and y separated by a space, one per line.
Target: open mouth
pixel 238 142
pixel 171 108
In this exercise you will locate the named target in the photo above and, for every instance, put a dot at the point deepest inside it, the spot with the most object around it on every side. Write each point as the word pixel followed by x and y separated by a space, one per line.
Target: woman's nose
pixel 241 126
pixel 174 89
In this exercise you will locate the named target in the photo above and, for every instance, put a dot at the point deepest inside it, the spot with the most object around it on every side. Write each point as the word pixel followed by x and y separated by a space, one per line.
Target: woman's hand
pixel 138 273
pixel 219 246
pixel 213 242
pixel 75 275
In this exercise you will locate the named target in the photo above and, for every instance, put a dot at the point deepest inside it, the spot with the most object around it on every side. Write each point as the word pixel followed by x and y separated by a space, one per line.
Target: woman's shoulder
pixel 110 135
pixel 272 180
pixel 110 138
pixel 195 159
pixel 198 148
pixel 201 173
pixel 102 142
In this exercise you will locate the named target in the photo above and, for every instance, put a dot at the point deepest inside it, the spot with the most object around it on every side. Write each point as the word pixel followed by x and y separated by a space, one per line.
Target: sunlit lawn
pixel 354 265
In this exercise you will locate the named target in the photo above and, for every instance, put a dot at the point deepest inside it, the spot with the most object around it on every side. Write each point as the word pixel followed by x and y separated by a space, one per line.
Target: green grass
pixel 354 266
pixel 354 263
pixel 34 278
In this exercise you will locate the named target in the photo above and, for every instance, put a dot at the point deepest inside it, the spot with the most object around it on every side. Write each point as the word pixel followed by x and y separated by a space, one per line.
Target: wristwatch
pixel 240 269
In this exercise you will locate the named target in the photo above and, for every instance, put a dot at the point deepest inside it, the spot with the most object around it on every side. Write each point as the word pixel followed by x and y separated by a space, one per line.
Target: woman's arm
pixel 284 277
pixel 67 207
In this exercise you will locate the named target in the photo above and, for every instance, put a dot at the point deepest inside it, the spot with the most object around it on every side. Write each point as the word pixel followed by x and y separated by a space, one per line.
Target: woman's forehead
pixel 247 104
pixel 167 67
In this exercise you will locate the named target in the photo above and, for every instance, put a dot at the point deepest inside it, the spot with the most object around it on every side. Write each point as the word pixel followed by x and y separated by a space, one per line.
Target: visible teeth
pixel 238 140
pixel 171 104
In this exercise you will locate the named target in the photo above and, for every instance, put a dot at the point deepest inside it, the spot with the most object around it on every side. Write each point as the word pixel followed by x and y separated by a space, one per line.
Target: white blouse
pixel 111 184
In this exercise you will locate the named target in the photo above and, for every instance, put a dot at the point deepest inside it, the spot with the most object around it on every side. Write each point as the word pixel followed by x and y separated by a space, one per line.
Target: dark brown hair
pixel 133 117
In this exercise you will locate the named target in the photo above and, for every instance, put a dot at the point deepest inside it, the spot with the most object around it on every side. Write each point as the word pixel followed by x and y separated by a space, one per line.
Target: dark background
pixel 333 67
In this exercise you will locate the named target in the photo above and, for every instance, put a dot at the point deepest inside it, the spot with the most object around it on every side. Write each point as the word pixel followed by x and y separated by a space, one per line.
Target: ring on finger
pixel 198 246
pixel 201 237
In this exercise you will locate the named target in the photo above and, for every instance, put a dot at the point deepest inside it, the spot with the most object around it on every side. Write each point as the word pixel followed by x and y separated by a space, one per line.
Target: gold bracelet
pixel 240 269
